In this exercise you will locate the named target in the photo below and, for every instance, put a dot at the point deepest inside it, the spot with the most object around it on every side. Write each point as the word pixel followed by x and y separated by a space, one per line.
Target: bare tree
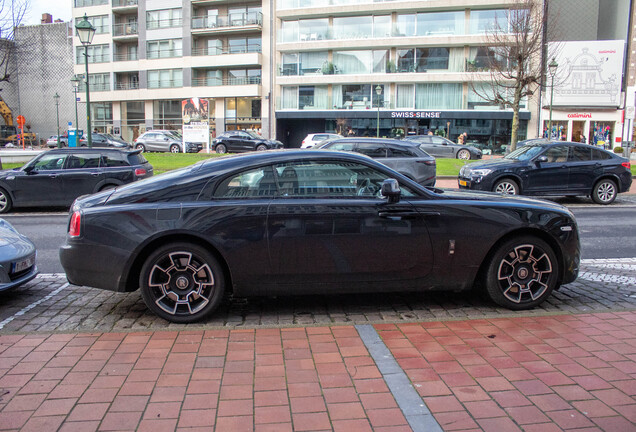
pixel 11 16
pixel 513 58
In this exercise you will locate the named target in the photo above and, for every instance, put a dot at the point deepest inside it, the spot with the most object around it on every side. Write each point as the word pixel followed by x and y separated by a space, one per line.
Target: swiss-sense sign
pixel 416 114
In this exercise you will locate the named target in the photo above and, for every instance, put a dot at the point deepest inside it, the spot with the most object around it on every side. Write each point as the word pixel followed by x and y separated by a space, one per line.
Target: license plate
pixel 24 264
pixel 463 183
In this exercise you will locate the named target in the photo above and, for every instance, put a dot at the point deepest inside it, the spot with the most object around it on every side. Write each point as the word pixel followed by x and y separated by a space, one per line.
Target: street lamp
pixel 378 90
pixel 552 67
pixel 57 115
pixel 76 82
pixel 85 32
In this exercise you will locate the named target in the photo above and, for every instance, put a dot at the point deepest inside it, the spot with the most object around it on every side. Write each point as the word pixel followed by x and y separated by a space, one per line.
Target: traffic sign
pixel 21 121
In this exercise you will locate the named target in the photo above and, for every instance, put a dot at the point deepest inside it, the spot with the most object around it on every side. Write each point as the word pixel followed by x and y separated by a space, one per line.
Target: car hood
pixel 496 163
pixel 10 172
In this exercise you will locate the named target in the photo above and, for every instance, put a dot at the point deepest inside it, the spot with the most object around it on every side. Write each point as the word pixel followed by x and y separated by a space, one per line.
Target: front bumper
pixel 472 184
pixel 8 281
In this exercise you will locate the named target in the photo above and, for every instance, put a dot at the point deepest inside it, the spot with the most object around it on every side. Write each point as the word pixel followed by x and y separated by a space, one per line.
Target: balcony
pixel 214 51
pixel 124 6
pixel 125 30
pixel 238 22
pixel 127 86
pixel 87 3
pixel 165 84
pixel 230 81
pixel 132 56
pixel 165 23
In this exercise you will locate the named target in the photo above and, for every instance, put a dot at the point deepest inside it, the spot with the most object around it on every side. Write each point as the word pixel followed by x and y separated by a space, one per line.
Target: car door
pixel 42 183
pixel 234 142
pixel 328 228
pixel 81 175
pixel 584 168
pixel 442 147
pixel 99 141
pixel 550 177
pixel 155 142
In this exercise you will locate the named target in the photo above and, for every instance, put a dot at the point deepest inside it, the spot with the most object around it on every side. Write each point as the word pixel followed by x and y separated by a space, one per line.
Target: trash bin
pixel 74 135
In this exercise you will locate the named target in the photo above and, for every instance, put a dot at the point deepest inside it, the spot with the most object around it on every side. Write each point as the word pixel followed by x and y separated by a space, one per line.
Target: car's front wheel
pixel 174 149
pixel 463 154
pixel 220 148
pixel 604 192
pixel 261 147
pixel 5 201
pixel 506 187
pixel 182 282
pixel 522 273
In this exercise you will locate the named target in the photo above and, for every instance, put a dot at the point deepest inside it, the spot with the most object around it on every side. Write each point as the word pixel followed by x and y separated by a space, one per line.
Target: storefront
pixel 486 129
pixel 600 128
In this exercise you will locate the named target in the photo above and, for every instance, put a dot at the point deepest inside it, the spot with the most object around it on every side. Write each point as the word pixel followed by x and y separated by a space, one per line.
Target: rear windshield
pixel 137 159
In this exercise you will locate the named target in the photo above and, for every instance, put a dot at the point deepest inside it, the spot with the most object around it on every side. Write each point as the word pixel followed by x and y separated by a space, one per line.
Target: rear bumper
pixel 93 266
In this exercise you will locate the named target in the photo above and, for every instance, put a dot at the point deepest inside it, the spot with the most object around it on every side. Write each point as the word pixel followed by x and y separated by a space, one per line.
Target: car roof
pixel 374 140
pixel 89 150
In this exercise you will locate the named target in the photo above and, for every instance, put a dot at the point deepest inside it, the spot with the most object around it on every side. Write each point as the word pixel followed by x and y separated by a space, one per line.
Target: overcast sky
pixel 58 8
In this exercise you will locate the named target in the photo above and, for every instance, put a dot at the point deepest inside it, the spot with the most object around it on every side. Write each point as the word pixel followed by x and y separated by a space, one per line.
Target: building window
pixel 164 48
pixel 485 21
pixel 86 3
pixel 353 27
pixel 164 18
pixel 243 113
pixel 360 62
pixel 358 96
pixel 96 54
pixel 405 96
pixel 243 76
pixel 97 82
pixel 290 98
pixel 100 22
pixel 438 96
pixel 484 58
pixel 165 78
pixel 244 45
pixel 431 58
pixel 430 24
pixel 313 97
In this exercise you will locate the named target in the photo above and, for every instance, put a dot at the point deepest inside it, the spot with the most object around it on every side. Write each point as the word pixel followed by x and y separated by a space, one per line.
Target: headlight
pixel 480 172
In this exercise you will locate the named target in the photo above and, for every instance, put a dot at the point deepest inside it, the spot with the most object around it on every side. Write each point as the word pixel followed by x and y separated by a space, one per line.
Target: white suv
pixel 313 139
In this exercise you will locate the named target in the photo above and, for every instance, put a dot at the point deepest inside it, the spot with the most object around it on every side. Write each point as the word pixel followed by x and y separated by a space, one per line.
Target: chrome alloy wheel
pixel 524 273
pixel 606 192
pixel 181 283
pixel 463 154
pixel 506 188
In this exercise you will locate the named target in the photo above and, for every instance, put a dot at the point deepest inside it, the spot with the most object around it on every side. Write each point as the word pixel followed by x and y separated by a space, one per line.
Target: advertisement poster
pixel 196 126
pixel 589 73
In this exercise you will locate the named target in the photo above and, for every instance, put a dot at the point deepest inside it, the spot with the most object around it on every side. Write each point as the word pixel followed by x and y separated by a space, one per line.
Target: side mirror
pixel 29 169
pixel 541 159
pixel 391 190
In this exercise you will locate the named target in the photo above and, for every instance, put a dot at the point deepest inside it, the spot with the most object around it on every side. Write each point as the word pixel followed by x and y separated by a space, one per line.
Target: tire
pixel 200 274
pixel 220 148
pixel 506 187
pixel 463 154
pixel 141 147
pixel 261 147
pixel 107 187
pixel 604 192
pixel 522 273
pixel 5 201
pixel 175 149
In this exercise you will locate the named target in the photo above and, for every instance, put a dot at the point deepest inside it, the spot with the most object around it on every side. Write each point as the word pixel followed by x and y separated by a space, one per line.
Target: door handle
pixel 52 175
pixel 399 215
pixel 95 174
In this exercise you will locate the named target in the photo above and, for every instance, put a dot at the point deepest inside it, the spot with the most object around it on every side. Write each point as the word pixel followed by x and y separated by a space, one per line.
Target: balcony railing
pixel 168 53
pixel 166 23
pixel 222 51
pixel 86 3
pixel 233 81
pixel 165 84
pixel 126 57
pixel 95 87
pixel 127 85
pixel 224 21
pixel 124 3
pixel 126 29
pixel 93 58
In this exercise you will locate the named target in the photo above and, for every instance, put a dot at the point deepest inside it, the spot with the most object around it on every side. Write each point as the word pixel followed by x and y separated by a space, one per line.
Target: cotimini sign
pixel 580 115
pixel 416 114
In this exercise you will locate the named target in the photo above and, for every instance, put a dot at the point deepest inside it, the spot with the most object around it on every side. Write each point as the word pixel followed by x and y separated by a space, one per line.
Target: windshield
pixel 525 153
pixel 253 134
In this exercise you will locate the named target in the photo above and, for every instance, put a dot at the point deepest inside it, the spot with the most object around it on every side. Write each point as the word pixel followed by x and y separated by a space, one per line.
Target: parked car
pixel 242 141
pixel 444 148
pixel 17 257
pixel 314 139
pixel 405 157
pixel 52 141
pixel 552 168
pixel 56 177
pixel 164 141
pixel 104 140
pixel 311 221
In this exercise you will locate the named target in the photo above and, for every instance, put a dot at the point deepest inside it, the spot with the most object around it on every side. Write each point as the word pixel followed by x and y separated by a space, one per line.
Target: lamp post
pixel 76 82
pixel 378 91
pixel 552 68
pixel 57 116
pixel 85 32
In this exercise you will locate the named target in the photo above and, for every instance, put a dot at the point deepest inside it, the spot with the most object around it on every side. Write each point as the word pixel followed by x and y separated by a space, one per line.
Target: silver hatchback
pixel 164 141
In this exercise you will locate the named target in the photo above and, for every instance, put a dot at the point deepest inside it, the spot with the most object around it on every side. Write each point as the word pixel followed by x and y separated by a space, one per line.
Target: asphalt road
pixel 606 232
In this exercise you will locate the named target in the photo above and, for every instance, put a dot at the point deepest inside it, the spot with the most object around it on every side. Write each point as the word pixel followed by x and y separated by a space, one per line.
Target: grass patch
pixel 164 162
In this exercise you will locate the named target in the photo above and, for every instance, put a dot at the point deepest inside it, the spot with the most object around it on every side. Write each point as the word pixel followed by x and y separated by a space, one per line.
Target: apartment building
pixel 149 55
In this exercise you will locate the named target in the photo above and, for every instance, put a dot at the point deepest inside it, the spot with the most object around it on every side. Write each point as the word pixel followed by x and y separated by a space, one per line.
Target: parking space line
pixel 31 306
pixel 415 410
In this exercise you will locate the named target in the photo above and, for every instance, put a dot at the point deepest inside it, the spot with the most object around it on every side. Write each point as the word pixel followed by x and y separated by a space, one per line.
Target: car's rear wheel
pixel 261 147
pixel 174 148
pixel 182 282
pixel 522 273
pixel 5 201
pixel 141 147
pixel 463 154
pixel 506 187
pixel 107 187
pixel 604 192
pixel 220 148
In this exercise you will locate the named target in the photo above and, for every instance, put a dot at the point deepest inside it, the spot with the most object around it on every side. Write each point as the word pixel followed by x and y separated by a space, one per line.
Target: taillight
pixel 74 227
pixel 140 172
pixel 427 162
pixel 627 165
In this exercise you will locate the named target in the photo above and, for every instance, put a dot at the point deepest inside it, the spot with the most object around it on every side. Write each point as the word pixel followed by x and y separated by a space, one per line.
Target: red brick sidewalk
pixel 568 372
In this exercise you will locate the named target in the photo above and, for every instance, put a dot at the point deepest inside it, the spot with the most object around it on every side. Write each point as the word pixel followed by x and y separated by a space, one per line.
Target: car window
pixel 438 140
pixel 330 179
pixel 374 150
pixel 600 155
pixel 320 137
pixel 254 183
pixel 557 154
pixel 396 151
pixel 49 162
pixel 578 154
pixel 342 146
pixel 83 160
pixel 113 160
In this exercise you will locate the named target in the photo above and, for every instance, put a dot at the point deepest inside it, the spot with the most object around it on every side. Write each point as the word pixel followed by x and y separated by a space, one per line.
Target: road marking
pixel 415 410
pixel 31 306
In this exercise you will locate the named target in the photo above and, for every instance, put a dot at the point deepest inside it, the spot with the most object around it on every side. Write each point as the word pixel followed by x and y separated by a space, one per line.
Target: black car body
pixel 552 168
pixel 240 141
pixel 56 177
pixel 405 157
pixel 164 141
pixel 104 140
pixel 444 148
pixel 311 221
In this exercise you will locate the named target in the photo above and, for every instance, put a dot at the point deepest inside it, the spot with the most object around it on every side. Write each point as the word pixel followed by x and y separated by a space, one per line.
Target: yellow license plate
pixel 463 183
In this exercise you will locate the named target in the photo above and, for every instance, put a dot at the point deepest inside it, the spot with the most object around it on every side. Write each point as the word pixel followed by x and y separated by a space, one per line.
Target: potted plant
pixel 328 68
pixel 390 66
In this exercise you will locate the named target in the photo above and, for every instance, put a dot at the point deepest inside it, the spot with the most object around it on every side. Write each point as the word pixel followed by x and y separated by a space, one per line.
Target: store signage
pixel 416 114
pixel 580 115
pixel 196 127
